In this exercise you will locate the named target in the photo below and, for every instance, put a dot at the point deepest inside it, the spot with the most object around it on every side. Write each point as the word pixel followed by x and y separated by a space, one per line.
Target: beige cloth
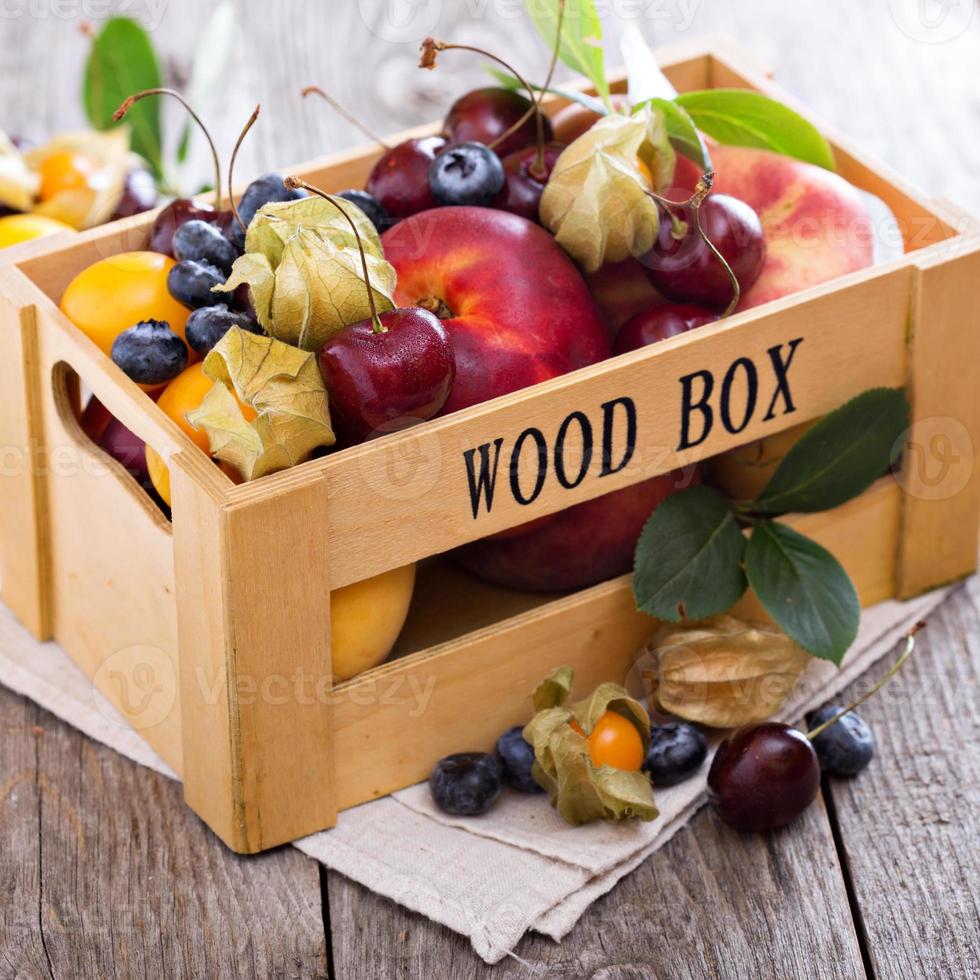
pixel 491 878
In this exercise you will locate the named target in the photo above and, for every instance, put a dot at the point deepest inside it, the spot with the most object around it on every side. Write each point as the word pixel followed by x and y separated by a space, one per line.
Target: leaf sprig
pixel 693 559
pixel 738 117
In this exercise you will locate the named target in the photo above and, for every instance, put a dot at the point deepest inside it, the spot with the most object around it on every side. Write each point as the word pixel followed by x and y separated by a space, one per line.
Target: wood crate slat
pixel 413 495
pixel 253 599
pixel 941 472
pixel 428 697
pixel 24 551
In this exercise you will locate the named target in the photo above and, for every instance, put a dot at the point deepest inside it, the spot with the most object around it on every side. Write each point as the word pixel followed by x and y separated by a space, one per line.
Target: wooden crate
pixel 207 639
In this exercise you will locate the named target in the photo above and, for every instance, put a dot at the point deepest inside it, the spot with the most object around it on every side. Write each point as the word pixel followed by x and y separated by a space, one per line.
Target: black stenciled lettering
pixel 608 423
pixel 751 394
pixel 689 406
pixel 482 484
pixel 515 484
pixel 781 369
pixel 586 426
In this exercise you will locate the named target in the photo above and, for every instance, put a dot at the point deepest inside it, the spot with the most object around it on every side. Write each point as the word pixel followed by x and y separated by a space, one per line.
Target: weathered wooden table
pixel 104 872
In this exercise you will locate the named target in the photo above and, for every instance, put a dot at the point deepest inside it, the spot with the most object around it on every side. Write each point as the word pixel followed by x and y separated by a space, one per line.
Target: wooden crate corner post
pixel 253 614
pixel 940 471
pixel 24 582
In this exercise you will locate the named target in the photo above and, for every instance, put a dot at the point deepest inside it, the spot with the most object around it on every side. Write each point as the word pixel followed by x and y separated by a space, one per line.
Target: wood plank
pixel 909 825
pixel 940 473
pixel 253 617
pixel 383 512
pixel 110 561
pixel 24 555
pixel 22 951
pixel 106 873
pixel 711 903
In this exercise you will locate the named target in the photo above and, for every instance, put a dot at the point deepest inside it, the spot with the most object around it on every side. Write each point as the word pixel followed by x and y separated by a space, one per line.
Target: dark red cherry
pixel 128 449
pixel 383 381
pixel 685 269
pixel 763 776
pixel 400 179
pixel 660 322
pixel 139 194
pixel 524 182
pixel 175 214
pixel 484 114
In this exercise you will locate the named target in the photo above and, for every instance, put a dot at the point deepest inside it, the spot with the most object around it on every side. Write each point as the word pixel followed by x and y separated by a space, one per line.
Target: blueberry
pixel 468 783
pixel 677 750
pixel 267 189
pixel 190 282
pixel 150 353
pixel 847 746
pixel 206 326
pixel 370 205
pixel 203 242
pixel 517 756
pixel 468 173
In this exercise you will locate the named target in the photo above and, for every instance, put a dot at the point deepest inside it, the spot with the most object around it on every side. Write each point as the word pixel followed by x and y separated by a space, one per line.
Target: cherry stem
pixel 893 670
pixel 128 104
pixel 701 191
pixel 231 166
pixel 429 49
pixel 538 169
pixel 341 111
pixel 293 183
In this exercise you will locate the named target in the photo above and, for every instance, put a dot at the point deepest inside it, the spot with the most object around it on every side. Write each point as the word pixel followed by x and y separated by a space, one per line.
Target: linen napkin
pixel 492 878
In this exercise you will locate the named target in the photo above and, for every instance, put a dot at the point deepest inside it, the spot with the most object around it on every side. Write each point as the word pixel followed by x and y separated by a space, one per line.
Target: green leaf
pixel 743 118
pixel 688 558
pixel 208 68
pixel 581 37
pixel 804 589
pixel 682 132
pixel 840 457
pixel 122 62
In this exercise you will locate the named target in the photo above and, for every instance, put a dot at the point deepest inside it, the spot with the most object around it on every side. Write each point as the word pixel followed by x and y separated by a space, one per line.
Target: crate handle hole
pixel 102 441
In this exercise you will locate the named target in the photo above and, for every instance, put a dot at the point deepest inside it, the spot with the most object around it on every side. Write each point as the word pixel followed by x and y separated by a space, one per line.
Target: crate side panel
pixel 111 566
pixel 418 493
pixel 393 723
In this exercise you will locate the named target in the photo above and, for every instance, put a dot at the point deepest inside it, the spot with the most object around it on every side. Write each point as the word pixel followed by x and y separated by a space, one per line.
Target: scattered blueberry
pixel 150 353
pixel 203 242
pixel 468 173
pixel 677 750
pixel 370 205
pixel 847 746
pixel 517 756
pixel 206 326
pixel 468 783
pixel 191 282
pixel 267 189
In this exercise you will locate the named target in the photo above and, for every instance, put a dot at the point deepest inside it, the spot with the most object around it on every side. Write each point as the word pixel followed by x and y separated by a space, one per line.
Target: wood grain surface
pixel 103 872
